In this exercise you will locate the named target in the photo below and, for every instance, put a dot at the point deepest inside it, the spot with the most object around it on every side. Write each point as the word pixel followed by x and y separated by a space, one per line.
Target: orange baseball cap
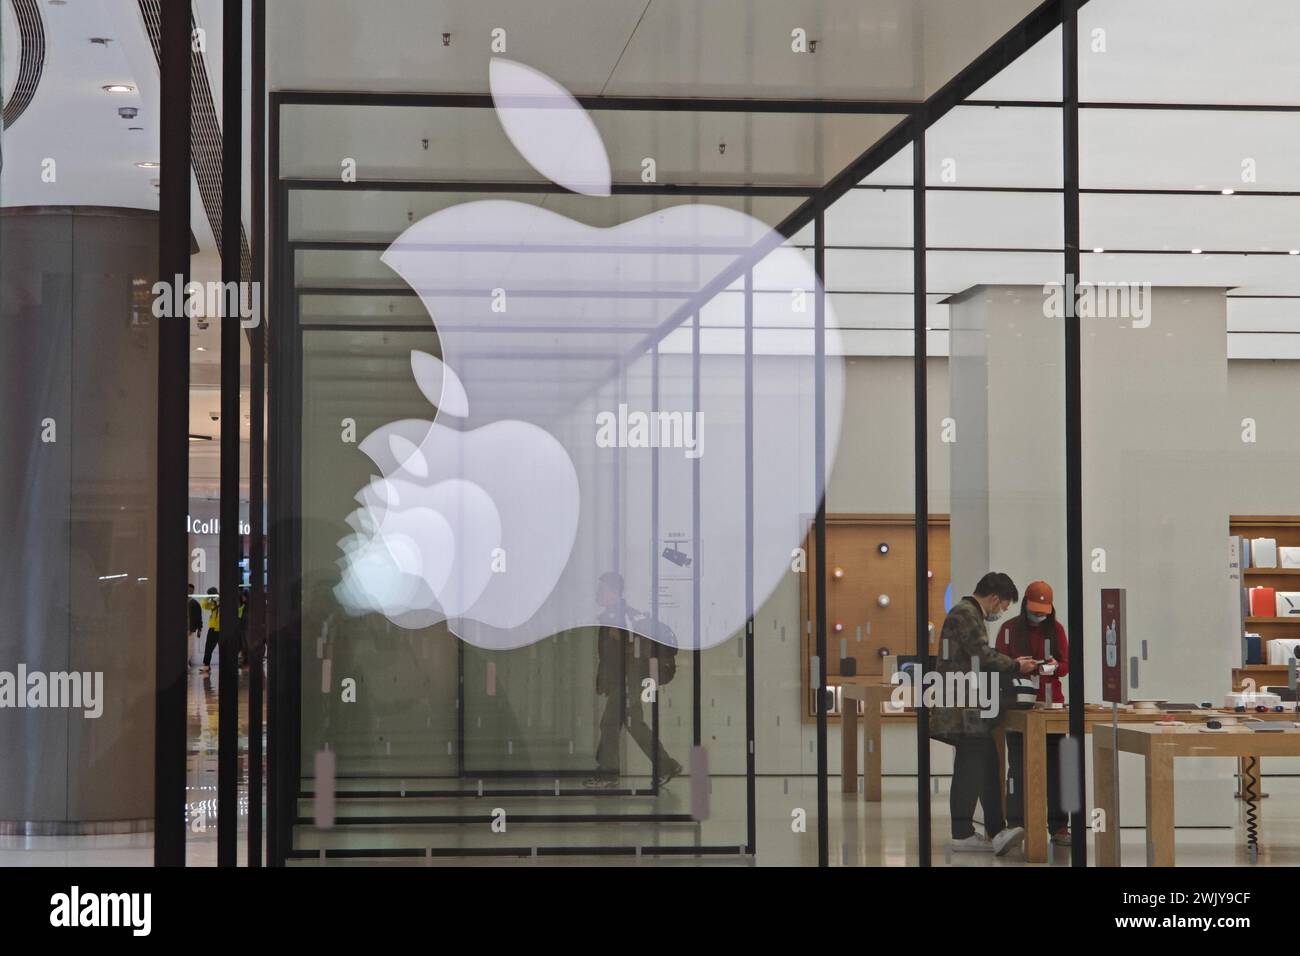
pixel 1038 597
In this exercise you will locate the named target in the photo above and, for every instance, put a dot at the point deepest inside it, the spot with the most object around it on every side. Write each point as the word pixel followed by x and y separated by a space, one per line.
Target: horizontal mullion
pixel 308 184
pixel 668 104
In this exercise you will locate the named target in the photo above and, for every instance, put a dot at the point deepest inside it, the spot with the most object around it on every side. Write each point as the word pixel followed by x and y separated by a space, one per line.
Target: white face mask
pixel 992 616
pixel 1036 618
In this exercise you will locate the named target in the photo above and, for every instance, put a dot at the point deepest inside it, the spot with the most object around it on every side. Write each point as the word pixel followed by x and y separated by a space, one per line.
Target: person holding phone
pixel 1036 633
pixel 965 651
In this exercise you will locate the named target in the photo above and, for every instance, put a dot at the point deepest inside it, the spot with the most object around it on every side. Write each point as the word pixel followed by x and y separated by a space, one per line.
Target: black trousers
pixel 624 709
pixel 975 779
pixel 1056 817
pixel 210 646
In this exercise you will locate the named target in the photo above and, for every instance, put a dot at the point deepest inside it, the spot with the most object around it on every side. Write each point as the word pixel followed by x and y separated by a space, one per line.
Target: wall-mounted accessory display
pixel 853 546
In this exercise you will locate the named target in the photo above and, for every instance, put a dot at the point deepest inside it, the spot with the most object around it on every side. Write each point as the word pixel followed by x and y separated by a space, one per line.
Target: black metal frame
pixel 170 614
pixel 232 61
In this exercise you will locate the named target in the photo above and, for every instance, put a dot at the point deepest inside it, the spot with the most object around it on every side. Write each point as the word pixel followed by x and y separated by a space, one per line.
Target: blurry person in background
pixel 214 627
pixel 195 625
pixel 1036 633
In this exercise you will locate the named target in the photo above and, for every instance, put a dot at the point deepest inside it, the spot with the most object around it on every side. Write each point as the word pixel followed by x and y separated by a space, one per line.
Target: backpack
pixel 663 636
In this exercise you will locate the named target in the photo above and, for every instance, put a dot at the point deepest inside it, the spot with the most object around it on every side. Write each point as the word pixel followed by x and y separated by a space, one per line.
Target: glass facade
pixel 610 418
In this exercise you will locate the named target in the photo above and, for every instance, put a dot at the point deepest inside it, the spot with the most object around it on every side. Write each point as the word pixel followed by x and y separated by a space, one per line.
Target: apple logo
pixel 500 514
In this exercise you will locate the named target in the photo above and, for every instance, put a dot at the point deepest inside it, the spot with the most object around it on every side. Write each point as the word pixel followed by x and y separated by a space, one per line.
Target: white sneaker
pixel 975 843
pixel 1006 839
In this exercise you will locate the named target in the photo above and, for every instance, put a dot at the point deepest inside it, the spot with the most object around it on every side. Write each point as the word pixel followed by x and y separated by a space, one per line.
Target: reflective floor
pixel 441 821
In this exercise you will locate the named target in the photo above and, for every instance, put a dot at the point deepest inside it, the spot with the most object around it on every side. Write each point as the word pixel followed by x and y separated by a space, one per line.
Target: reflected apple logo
pixel 499 515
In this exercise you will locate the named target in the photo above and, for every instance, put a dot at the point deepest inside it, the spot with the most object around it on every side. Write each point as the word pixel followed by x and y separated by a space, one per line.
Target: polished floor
pixel 446 822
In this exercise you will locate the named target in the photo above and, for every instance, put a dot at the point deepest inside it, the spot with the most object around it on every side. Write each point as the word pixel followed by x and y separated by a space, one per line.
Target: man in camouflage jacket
pixel 975 776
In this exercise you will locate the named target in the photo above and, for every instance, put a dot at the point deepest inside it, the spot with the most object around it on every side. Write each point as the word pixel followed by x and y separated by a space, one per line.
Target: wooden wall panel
pixel 868 630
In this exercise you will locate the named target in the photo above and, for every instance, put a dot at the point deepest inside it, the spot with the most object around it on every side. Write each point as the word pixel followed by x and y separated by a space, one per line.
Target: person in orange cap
pixel 1036 633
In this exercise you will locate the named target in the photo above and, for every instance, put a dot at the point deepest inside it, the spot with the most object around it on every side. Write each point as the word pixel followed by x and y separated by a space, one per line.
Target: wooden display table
pixel 1159 746
pixel 1034 725
pixel 872 696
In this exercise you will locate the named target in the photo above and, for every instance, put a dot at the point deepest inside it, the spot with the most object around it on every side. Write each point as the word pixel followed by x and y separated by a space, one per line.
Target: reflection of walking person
pixel 619 672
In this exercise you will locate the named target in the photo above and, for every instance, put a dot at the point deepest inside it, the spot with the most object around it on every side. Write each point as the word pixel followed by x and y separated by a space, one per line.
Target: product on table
pixel 1263 552
pixel 1263 602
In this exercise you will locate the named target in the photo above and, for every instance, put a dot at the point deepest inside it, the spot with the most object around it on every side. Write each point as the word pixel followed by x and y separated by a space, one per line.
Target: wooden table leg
pixel 849 745
pixel 1000 745
pixel 871 743
pixel 1034 796
pixel 1105 796
pixel 1160 804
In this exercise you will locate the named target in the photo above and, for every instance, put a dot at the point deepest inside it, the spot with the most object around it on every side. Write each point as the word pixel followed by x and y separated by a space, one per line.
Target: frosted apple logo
pixel 500 514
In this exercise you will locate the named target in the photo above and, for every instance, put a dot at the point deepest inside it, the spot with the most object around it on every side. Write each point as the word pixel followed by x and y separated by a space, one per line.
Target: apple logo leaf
pixel 549 127
pixel 439 384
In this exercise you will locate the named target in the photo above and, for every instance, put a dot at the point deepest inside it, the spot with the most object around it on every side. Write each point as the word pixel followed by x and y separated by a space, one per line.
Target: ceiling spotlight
pixel 149 165
pixel 1196 252
pixel 128 112
pixel 883 548
pixel 1294 252
pixel 1228 192
pixel 118 88
pixel 200 349
pixel 1099 249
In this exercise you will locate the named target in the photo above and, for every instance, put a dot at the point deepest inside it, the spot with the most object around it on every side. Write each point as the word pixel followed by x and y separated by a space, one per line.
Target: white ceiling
pixel 1156 51
pixel 866 49
pixel 1147 237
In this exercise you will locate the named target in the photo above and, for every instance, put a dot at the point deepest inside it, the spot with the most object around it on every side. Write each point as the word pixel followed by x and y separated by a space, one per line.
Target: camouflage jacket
pixel 963 640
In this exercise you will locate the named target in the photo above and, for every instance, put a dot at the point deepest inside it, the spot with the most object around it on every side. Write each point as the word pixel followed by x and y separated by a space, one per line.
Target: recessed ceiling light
pixel 1228 192
pixel 118 88
pixel 1196 252
pixel 200 349
pixel 1099 249
pixel 1293 252
pixel 149 165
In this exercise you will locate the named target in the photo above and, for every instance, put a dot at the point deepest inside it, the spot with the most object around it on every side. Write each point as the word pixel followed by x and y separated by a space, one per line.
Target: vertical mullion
pixel 697 677
pixel 257 445
pixel 231 333
pixel 1073 413
pixel 921 476
pixel 172 543
pixel 819 523
pixel 751 836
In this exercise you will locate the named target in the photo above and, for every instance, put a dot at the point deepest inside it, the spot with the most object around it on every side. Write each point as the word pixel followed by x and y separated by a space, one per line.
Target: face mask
pixel 992 616
pixel 1036 618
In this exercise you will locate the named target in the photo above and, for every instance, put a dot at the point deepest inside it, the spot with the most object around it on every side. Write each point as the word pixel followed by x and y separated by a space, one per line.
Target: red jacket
pixel 1060 649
